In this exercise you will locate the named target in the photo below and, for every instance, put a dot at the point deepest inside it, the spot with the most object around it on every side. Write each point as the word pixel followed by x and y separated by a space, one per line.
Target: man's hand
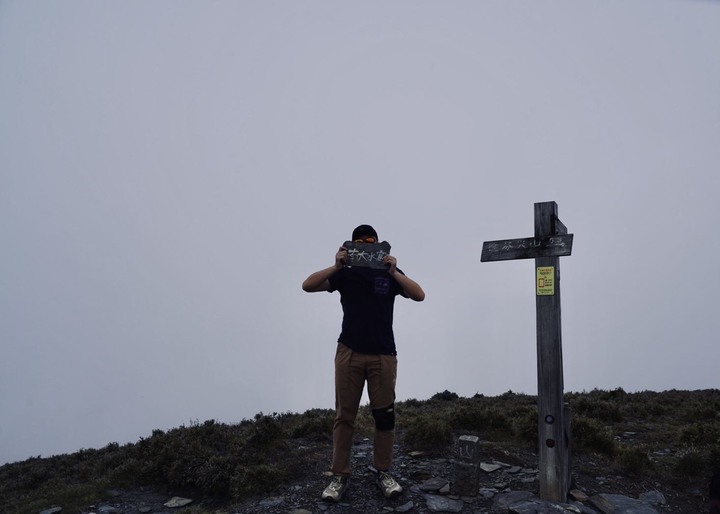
pixel 391 263
pixel 341 257
pixel 319 281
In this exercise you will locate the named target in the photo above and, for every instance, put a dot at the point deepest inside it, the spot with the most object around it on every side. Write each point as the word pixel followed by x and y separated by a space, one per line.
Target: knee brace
pixel 385 418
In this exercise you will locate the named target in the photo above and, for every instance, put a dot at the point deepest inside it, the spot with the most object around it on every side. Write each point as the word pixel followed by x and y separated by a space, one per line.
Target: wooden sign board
pixel 528 248
pixel 368 255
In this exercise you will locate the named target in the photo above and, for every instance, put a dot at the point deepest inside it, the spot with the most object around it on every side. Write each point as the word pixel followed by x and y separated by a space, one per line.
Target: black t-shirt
pixel 367 296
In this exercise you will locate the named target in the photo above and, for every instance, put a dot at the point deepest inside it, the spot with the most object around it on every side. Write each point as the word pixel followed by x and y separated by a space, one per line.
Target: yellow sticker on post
pixel 545 280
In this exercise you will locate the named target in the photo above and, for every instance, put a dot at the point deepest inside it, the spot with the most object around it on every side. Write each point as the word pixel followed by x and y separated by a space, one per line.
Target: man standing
pixel 365 352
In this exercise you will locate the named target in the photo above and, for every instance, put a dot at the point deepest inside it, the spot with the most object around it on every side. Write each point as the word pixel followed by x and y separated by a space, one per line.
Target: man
pixel 365 352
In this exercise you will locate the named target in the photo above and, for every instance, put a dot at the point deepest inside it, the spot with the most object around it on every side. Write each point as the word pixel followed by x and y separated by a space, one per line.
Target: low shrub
pixel 632 460
pixel 428 434
pixel 477 418
pixel 591 436
pixel 601 410
pixel 315 424
pixel 525 426
pixel 702 434
pixel 251 479
pixel 690 462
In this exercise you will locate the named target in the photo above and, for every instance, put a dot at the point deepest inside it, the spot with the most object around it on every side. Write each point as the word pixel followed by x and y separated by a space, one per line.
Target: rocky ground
pixel 508 483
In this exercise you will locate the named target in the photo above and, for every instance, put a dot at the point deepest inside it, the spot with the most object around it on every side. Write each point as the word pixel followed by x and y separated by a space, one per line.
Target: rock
pixel 176 502
pixel 523 507
pixel 433 485
pixel 620 504
pixel 442 504
pixel 578 495
pixel 489 468
pixel 487 492
pixel 270 503
pixel 504 500
pixel 653 498
pixel 579 508
pixel 536 507
pixel 405 507
pixel 51 510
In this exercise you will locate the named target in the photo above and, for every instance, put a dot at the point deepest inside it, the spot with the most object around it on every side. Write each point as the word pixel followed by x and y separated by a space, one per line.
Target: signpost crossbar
pixel 527 248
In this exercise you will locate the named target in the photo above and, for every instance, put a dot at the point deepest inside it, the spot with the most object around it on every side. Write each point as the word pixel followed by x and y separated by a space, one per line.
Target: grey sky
pixel 170 172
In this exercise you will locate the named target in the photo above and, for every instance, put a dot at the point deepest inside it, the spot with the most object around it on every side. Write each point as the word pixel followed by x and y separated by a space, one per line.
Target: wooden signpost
pixel 551 242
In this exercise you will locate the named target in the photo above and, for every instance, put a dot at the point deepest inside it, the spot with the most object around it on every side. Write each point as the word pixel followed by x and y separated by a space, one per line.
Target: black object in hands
pixel 369 255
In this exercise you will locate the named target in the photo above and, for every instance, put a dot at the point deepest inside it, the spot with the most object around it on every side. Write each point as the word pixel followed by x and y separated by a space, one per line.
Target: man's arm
pixel 411 289
pixel 320 280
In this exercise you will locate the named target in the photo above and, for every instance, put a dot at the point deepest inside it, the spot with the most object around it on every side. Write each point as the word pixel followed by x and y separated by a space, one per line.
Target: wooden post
pixel 550 242
pixel 551 410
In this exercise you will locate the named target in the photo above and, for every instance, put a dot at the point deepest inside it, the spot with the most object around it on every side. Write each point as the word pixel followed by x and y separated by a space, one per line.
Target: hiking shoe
pixel 387 484
pixel 335 490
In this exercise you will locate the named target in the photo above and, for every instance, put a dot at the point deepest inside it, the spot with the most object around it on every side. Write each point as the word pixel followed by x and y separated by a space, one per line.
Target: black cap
pixel 364 230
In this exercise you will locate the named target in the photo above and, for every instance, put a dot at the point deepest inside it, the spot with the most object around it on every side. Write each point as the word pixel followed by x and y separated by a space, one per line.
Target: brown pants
pixel 352 369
